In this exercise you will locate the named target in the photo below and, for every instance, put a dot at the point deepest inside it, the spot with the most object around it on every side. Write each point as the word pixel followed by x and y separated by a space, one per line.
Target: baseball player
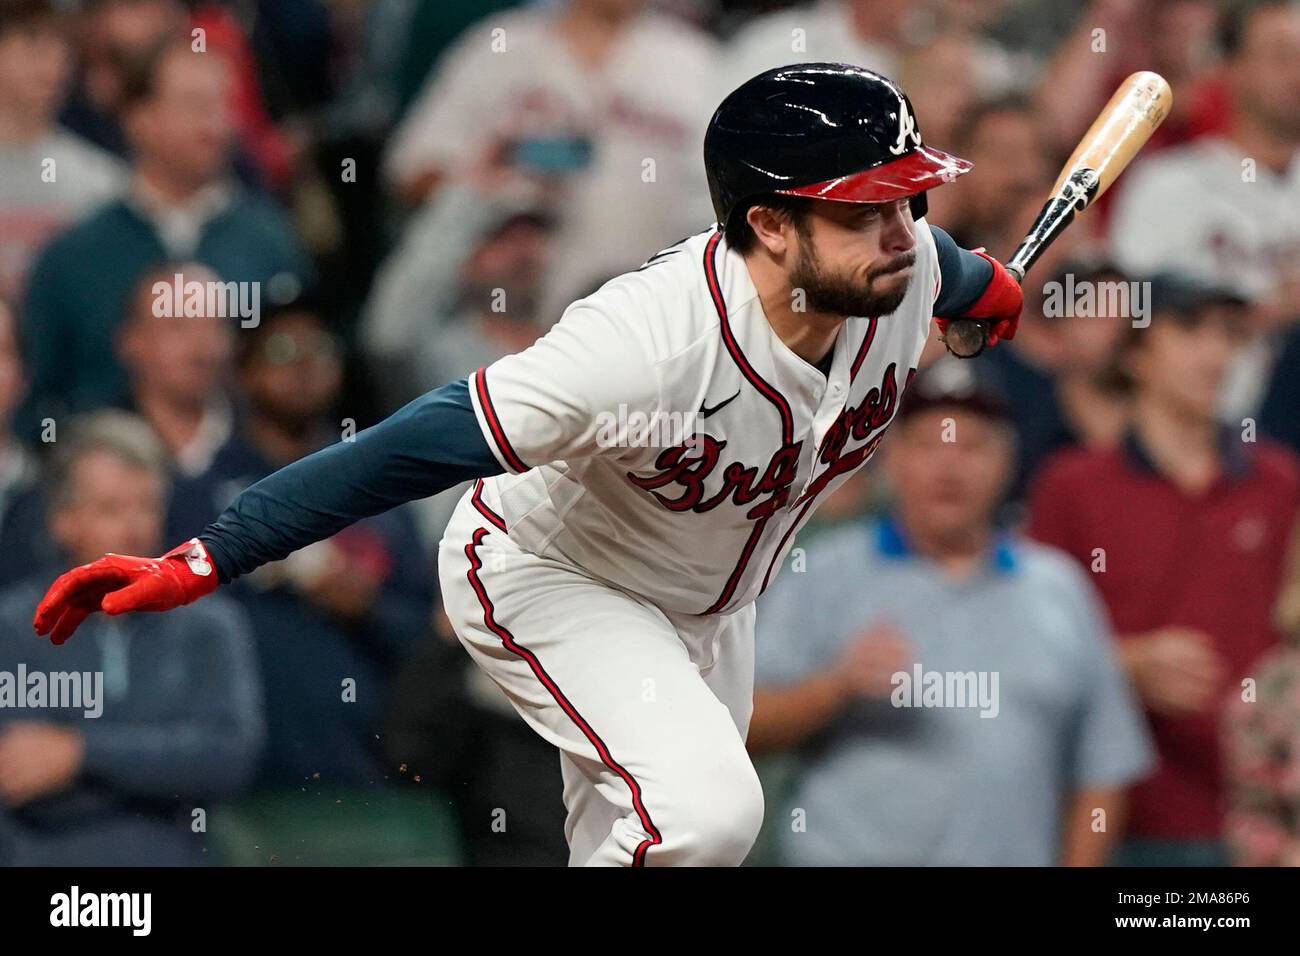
pixel 603 570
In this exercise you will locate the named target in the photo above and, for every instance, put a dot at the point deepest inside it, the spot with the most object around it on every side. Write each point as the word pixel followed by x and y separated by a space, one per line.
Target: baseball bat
pixel 1121 129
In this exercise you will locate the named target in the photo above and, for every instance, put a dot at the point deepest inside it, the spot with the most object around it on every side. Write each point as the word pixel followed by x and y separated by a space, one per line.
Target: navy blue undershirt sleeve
pixel 965 276
pixel 432 444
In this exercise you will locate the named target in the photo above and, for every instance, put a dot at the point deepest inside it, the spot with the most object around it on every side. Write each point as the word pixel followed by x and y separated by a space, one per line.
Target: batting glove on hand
pixel 999 304
pixel 118 583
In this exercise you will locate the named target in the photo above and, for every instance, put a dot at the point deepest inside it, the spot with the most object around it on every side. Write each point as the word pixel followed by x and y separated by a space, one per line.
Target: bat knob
pixel 966 338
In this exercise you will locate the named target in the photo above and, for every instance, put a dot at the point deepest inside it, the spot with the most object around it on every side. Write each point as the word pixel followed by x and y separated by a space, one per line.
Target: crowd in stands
pixel 390 194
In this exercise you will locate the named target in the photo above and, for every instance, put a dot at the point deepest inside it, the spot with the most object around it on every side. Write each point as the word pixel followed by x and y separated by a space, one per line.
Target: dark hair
pixel 970 122
pixel 1116 375
pixel 125 436
pixel 140 70
pixel 740 236
pixel 1235 21
pixel 17 14
pixel 309 303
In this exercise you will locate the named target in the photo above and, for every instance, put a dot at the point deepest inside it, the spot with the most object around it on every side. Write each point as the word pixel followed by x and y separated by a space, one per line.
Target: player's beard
pixel 840 295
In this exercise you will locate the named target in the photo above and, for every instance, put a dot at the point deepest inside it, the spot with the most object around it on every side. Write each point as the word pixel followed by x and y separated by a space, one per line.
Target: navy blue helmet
pixel 825 130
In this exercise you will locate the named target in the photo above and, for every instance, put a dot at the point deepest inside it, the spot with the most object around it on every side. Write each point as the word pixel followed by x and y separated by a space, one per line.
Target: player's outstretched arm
pixel 432 444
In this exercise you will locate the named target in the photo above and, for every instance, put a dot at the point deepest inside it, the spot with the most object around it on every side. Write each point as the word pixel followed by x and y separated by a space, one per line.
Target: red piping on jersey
pixel 508 639
pixel 867 339
pixel 739 569
pixel 729 339
pixel 863 349
pixel 494 423
pixel 776 555
pixel 481 506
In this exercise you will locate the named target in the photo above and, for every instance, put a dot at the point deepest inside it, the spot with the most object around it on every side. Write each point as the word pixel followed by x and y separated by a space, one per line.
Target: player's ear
pixel 771 228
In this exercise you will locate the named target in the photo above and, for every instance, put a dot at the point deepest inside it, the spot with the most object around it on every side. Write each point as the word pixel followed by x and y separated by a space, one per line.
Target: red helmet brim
pixel 922 169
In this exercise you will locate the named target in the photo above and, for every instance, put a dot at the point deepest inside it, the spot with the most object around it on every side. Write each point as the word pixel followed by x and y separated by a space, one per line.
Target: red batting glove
pixel 999 304
pixel 118 583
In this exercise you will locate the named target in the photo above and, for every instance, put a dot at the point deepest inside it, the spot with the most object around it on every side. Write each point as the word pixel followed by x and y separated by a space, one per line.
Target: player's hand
pixel 868 667
pixel 1176 670
pixel 118 583
pixel 998 306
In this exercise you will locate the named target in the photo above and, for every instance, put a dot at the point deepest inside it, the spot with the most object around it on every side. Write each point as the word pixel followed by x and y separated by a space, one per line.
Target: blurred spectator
pixel 182 206
pixel 1262 745
pixel 335 619
pixel 48 176
pixel 271 153
pixel 884 780
pixel 1111 39
pixel 435 317
pixel 1064 393
pixel 937 77
pixel 115 35
pixel 179 370
pixel 1003 140
pixel 433 26
pixel 586 100
pixel 177 365
pixel 861 32
pixel 176 701
pixel 1243 228
pixel 1184 526
pixel 111 35
pixel 880 35
pixel 1262 758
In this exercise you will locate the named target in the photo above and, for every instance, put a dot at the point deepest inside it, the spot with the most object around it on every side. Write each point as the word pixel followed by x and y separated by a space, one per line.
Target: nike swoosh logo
pixel 705 411
pixel 659 257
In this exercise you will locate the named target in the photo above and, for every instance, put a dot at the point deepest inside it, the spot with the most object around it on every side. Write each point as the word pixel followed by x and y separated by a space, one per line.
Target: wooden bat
pixel 1122 128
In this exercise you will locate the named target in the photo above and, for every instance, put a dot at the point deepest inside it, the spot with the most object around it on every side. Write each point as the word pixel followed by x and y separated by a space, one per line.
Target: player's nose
pixel 898 234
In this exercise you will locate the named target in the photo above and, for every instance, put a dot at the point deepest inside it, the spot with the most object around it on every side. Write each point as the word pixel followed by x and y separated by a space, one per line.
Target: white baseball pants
pixel 649 710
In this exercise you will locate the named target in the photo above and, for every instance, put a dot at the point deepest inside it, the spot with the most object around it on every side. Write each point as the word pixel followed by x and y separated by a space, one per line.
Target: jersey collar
pixel 890 542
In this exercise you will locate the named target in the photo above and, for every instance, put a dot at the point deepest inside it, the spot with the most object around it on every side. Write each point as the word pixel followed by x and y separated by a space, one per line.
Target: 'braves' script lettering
pixel 688 466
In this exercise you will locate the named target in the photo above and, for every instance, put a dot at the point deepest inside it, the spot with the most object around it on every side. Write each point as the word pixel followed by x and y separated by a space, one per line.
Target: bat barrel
pixel 1128 120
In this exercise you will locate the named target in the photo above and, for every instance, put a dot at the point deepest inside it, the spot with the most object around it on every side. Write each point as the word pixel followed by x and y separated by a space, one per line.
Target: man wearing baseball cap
pixel 887 693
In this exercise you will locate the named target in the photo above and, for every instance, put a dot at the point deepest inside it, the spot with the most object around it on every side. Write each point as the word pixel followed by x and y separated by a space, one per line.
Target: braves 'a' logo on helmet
pixel 906 130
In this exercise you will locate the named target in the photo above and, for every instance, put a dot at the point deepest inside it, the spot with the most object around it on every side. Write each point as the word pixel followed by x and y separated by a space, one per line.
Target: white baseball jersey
pixel 598 472
pixel 1240 231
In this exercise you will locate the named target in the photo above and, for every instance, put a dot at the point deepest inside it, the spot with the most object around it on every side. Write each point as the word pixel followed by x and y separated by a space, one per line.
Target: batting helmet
pixel 824 130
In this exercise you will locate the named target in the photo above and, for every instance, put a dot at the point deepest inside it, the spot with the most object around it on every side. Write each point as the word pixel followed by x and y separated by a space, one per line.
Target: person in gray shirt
pixel 113 749
pixel 950 691
pixel 49 177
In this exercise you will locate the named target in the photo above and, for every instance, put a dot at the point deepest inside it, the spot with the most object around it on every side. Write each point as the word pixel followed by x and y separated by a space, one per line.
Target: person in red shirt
pixel 1184 526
